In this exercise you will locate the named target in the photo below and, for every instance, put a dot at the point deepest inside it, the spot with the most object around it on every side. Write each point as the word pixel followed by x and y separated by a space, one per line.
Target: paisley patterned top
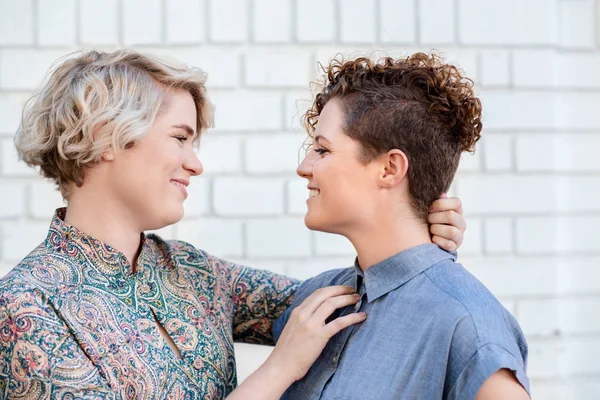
pixel 75 322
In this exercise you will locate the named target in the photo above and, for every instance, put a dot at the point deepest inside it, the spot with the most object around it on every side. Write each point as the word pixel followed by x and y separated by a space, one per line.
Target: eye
pixel 320 150
pixel 182 138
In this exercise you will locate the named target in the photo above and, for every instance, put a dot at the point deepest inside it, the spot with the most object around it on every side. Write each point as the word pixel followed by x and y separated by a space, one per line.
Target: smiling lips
pixel 182 184
pixel 312 192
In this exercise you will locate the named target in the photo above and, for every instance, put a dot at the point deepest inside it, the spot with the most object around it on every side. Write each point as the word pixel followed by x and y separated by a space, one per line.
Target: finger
pixel 312 302
pixel 332 304
pixel 444 243
pixel 451 203
pixel 448 232
pixel 340 323
pixel 450 217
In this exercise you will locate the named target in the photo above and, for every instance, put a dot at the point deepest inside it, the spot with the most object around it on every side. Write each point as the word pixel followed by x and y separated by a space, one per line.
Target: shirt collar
pixel 391 273
pixel 106 259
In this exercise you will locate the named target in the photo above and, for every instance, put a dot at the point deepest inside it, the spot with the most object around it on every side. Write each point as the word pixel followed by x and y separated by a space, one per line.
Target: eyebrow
pixel 188 129
pixel 320 137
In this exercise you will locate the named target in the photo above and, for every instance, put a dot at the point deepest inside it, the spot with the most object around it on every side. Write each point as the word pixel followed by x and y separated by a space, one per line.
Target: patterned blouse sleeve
pixel 39 358
pixel 259 298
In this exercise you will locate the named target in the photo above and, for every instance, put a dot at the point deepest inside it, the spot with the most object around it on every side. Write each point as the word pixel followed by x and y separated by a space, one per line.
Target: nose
pixel 304 170
pixel 192 163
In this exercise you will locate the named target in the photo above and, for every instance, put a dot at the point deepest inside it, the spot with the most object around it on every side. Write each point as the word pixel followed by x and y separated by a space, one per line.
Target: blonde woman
pixel 101 310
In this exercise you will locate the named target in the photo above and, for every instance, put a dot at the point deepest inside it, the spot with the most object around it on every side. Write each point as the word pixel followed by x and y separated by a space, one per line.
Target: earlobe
pixel 108 156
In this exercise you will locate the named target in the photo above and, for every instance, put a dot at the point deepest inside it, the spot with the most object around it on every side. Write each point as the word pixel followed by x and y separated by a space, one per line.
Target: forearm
pixel 266 383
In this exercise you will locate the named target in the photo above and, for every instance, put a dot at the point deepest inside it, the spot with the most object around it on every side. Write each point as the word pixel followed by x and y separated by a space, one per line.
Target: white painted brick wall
pixel 530 191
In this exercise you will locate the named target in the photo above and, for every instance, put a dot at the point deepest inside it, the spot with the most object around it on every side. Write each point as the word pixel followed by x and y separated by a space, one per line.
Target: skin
pixel 370 205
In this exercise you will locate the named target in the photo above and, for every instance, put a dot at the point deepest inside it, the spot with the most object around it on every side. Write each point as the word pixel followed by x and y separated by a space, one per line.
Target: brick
pixel 311 267
pixel 557 235
pixel 577 24
pixel 221 153
pixel 397 21
pixel 578 70
pixel 546 358
pixel 531 22
pixel 579 275
pixel 247 111
pixel 498 235
pixel 576 110
pixel 495 68
pixel 577 193
pixel 25 69
pixel 557 152
pixel 166 233
pixel 297 194
pixel 20 238
pixel 473 240
pixel 142 22
pixel 12 199
pixel 11 106
pixel 281 68
pixel 358 21
pixel 213 149
pixel 495 194
pixel 228 21
pixel 515 110
pixel 56 22
pixel 216 236
pixel 185 21
pixel 537 276
pixel 44 199
pixel 539 317
pixel 469 162
pixel 465 59
pixel 5 268
pixel 271 21
pixel 16 22
pixel 223 66
pixel 575 315
pixel 273 153
pixel 10 165
pixel 296 104
pixel 238 196
pixel 550 390
pixel 250 356
pixel 281 238
pixel 497 152
pixel 312 26
pixel 327 244
pixel 436 21
pixel 198 202
pixel 534 68
pixel 99 22
pixel 582 355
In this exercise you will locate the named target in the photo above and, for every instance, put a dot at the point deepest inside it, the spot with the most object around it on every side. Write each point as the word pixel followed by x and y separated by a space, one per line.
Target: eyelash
pixel 181 138
pixel 320 151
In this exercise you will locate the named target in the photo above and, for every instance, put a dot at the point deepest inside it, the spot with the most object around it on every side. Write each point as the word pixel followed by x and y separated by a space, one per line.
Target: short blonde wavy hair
pixel 95 101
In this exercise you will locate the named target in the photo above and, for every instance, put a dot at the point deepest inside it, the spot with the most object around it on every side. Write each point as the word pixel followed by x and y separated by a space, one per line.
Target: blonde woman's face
pixel 151 177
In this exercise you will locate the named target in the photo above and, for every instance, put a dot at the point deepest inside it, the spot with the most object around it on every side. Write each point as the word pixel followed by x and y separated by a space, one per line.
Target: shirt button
pixel 198 363
pixel 357 306
pixel 335 359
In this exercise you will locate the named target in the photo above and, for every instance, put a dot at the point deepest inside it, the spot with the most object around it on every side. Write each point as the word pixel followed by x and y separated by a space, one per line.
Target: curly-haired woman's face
pixel 151 177
pixel 342 189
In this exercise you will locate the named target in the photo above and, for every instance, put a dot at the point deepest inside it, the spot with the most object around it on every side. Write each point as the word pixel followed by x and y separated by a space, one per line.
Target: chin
pixel 314 223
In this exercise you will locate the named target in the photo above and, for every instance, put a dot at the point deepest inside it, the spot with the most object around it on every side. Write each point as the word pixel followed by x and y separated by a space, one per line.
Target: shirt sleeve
pixel 259 298
pixel 39 358
pixel 487 360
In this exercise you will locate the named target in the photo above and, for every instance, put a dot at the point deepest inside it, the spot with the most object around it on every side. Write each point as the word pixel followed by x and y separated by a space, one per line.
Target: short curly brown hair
pixel 419 105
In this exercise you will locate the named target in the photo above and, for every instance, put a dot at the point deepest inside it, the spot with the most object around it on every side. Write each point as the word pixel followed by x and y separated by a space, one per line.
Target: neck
pixel 386 237
pixel 98 214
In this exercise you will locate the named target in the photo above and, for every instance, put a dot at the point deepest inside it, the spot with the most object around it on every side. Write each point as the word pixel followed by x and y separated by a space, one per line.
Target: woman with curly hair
pixel 386 141
pixel 100 310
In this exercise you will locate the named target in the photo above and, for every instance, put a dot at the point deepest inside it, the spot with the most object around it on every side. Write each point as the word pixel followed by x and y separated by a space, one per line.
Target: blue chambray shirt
pixel 433 331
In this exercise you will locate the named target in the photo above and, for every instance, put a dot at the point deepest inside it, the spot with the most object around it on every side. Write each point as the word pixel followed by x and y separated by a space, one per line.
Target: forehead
pixel 330 121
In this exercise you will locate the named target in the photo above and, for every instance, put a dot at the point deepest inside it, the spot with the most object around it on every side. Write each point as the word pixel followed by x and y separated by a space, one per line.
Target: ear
pixel 395 167
pixel 108 155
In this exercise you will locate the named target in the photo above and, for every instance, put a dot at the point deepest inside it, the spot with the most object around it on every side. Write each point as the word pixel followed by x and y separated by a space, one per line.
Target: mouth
pixel 313 192
pixel 182 185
